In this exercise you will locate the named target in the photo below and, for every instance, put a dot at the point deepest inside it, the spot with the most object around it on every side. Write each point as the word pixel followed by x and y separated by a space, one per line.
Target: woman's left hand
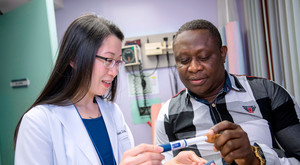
pixel 186 158
pixel 143 154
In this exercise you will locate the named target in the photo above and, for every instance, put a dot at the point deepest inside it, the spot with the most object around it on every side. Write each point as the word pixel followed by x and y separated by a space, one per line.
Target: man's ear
pixel 223 53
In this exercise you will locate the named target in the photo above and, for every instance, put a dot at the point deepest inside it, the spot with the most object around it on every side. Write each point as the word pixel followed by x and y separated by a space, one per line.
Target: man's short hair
pixel 198 25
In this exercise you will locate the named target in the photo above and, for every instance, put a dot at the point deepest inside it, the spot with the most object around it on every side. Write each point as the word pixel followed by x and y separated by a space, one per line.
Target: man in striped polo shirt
pixel 258 121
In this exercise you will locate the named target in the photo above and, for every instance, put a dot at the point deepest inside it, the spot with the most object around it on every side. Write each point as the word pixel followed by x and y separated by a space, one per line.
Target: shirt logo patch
pixel 250 109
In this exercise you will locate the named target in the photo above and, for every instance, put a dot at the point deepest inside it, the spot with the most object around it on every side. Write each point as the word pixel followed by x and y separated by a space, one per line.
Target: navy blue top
pixel 98 133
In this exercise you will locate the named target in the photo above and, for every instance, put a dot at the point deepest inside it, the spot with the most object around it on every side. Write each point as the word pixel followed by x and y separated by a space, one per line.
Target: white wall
pixel 139 18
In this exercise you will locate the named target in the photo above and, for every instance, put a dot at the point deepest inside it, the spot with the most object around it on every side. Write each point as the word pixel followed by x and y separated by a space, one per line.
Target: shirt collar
pixel 231 82
pixel 235 83
pixel 227 86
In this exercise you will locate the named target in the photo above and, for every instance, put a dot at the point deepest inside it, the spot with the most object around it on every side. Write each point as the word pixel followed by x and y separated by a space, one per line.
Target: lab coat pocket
pixel 124 140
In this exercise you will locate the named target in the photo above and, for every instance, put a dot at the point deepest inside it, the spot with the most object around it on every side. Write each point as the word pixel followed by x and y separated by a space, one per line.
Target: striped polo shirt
pixel 261 107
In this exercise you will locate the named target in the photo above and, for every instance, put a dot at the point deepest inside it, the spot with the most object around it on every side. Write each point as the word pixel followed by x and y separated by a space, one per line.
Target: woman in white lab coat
pixel 74 120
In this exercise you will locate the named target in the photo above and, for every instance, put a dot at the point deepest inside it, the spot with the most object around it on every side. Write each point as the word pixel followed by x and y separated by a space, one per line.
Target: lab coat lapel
pixel 73 124
pixel 109 120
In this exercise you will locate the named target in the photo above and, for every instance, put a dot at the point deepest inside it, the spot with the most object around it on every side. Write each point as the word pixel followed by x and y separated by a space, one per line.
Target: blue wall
pixel 28 44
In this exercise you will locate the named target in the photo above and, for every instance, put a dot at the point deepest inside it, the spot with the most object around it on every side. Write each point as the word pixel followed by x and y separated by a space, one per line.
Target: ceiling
pixel 8 5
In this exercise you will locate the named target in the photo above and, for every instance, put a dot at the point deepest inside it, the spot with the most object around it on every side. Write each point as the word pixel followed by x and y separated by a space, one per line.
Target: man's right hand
pixel 233 143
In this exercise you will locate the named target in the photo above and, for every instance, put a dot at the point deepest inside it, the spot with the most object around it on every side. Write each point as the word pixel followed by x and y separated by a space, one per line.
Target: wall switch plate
pixel 19 83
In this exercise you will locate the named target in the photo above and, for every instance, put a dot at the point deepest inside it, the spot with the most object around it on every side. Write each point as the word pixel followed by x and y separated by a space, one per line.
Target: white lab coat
pixel 53 135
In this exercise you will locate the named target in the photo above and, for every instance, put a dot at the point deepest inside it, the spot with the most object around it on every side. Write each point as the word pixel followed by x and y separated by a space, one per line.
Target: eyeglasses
pixel 110 63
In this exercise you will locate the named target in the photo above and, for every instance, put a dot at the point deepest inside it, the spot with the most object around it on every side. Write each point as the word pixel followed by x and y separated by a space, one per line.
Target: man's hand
pixel 233 143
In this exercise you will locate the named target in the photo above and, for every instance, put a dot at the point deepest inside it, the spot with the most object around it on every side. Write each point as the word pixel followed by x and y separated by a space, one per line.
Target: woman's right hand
pixel 143 154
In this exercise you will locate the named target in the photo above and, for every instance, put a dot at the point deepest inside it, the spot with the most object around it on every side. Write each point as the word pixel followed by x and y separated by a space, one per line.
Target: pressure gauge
pixel 130 55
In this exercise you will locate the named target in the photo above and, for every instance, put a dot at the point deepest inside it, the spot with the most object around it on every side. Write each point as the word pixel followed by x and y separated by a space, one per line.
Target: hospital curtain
pixel 282 30
pixel 270 37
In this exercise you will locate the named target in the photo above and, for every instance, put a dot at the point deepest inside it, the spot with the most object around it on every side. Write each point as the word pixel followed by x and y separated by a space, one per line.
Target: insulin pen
pixel 179 144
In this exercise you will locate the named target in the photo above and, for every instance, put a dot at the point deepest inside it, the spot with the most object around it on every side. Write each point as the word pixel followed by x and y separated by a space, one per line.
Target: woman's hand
pixel 143 154
pixel 186 158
